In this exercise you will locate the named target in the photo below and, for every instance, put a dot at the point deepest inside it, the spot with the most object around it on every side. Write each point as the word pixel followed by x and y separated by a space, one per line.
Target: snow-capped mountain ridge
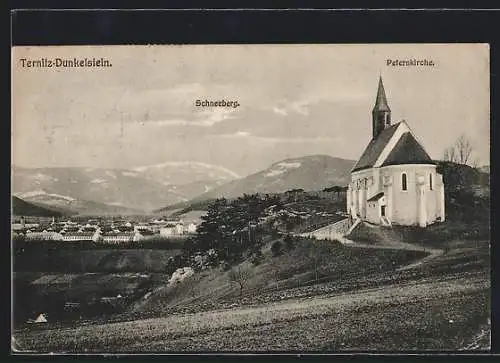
pixel 313 172
pixel 191 164
pixel 144 188
pixel 40 192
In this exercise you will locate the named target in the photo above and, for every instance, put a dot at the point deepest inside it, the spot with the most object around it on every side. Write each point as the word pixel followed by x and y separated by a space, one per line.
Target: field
pixel 44 281
pixel 362 299
pixel 399 319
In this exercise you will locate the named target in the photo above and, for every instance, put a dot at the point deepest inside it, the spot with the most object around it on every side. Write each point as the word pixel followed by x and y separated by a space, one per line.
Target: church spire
pixel 381 102
pixel 381 113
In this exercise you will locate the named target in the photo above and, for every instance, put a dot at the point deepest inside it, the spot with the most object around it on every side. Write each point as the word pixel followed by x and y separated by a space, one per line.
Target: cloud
pixel 280 111
pixel 207 118
pixel 213 116
pixel 247 135
pixel 299 107
pixel 237 134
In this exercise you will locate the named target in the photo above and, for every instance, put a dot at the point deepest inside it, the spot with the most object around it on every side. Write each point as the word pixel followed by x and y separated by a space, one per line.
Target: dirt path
pixel 395 244
pixel 432 252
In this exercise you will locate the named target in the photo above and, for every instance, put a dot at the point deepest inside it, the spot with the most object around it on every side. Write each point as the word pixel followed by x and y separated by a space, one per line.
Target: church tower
pixel 381 113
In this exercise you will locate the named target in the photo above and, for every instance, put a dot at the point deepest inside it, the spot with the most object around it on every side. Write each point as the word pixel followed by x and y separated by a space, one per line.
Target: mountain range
pixel 22 208
pixel 170 185
pixel 117 190
pixel 313 172
pixel 130 191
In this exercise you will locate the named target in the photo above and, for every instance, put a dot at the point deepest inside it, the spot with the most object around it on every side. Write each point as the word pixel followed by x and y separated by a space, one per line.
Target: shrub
pixel 257 257
pixel 276 248
pixel 288 240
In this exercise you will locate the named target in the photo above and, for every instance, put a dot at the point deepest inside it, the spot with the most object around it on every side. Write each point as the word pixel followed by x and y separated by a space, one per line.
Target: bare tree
pixel 464 149
pixel 317 255
pixel 449 154
pixel 193 285
pixel 460 152
pixel 240 276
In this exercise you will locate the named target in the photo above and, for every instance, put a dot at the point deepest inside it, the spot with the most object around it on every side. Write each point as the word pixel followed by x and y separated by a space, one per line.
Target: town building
pixel 117 237
pixel 179 228
pixel 44 236
pixel 394 181
pixel 169 230
pixel 191 228
pixel 80 236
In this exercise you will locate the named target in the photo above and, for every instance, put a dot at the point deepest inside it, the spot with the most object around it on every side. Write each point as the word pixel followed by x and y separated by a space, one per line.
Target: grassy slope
pixel 291 269
pixel 440 306
pixel 399 319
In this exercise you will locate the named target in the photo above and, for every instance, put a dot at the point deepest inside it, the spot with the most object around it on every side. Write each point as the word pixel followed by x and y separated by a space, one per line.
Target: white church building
pixel 394 182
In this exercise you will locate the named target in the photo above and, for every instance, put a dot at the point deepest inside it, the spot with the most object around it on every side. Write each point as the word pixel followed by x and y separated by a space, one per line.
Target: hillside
pixel 313 172
pixel 299 265
pixel 76 206
pixel 461 181
pixel 22 208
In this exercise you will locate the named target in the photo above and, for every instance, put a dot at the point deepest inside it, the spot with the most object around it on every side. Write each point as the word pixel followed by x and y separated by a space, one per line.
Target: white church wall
pixel 373 183
pixel 431 197
pixel 405 203
pixel 373 212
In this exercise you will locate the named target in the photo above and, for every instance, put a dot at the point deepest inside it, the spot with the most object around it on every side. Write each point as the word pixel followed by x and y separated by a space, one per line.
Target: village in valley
pixel 97 230
pixel 390 251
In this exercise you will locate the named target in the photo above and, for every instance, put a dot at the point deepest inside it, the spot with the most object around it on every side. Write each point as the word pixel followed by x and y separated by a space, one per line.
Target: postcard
pixel 251 198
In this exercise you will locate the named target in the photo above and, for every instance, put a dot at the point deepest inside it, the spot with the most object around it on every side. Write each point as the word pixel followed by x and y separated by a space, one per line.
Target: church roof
pixel 375 148
pixel 376 197
pixel 407 151
pixel 381 101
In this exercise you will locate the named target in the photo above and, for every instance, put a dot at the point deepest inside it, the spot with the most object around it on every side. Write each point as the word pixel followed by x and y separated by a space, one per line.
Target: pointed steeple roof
pixel 381 102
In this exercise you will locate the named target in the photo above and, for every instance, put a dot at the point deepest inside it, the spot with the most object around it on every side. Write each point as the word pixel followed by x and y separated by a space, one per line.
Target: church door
pixel 382 210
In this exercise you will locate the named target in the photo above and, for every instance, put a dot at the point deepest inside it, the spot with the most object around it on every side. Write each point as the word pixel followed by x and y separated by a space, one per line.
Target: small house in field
pixel 41 319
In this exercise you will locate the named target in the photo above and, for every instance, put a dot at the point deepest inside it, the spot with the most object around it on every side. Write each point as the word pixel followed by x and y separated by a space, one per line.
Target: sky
pixel 294 100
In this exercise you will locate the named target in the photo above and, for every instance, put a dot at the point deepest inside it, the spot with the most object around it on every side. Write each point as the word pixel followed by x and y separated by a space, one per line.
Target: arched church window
pixel 430 181
pixel 404 182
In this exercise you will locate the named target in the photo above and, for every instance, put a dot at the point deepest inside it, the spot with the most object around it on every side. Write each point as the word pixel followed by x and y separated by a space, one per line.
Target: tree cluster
pixel 231 228
pixel 335 189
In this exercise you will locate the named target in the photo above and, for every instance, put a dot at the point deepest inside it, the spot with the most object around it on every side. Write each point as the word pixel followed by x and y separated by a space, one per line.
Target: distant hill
pixel 143 188
pixel 309 173
pixel 23 208
pixel 75 206
pixel 313 172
